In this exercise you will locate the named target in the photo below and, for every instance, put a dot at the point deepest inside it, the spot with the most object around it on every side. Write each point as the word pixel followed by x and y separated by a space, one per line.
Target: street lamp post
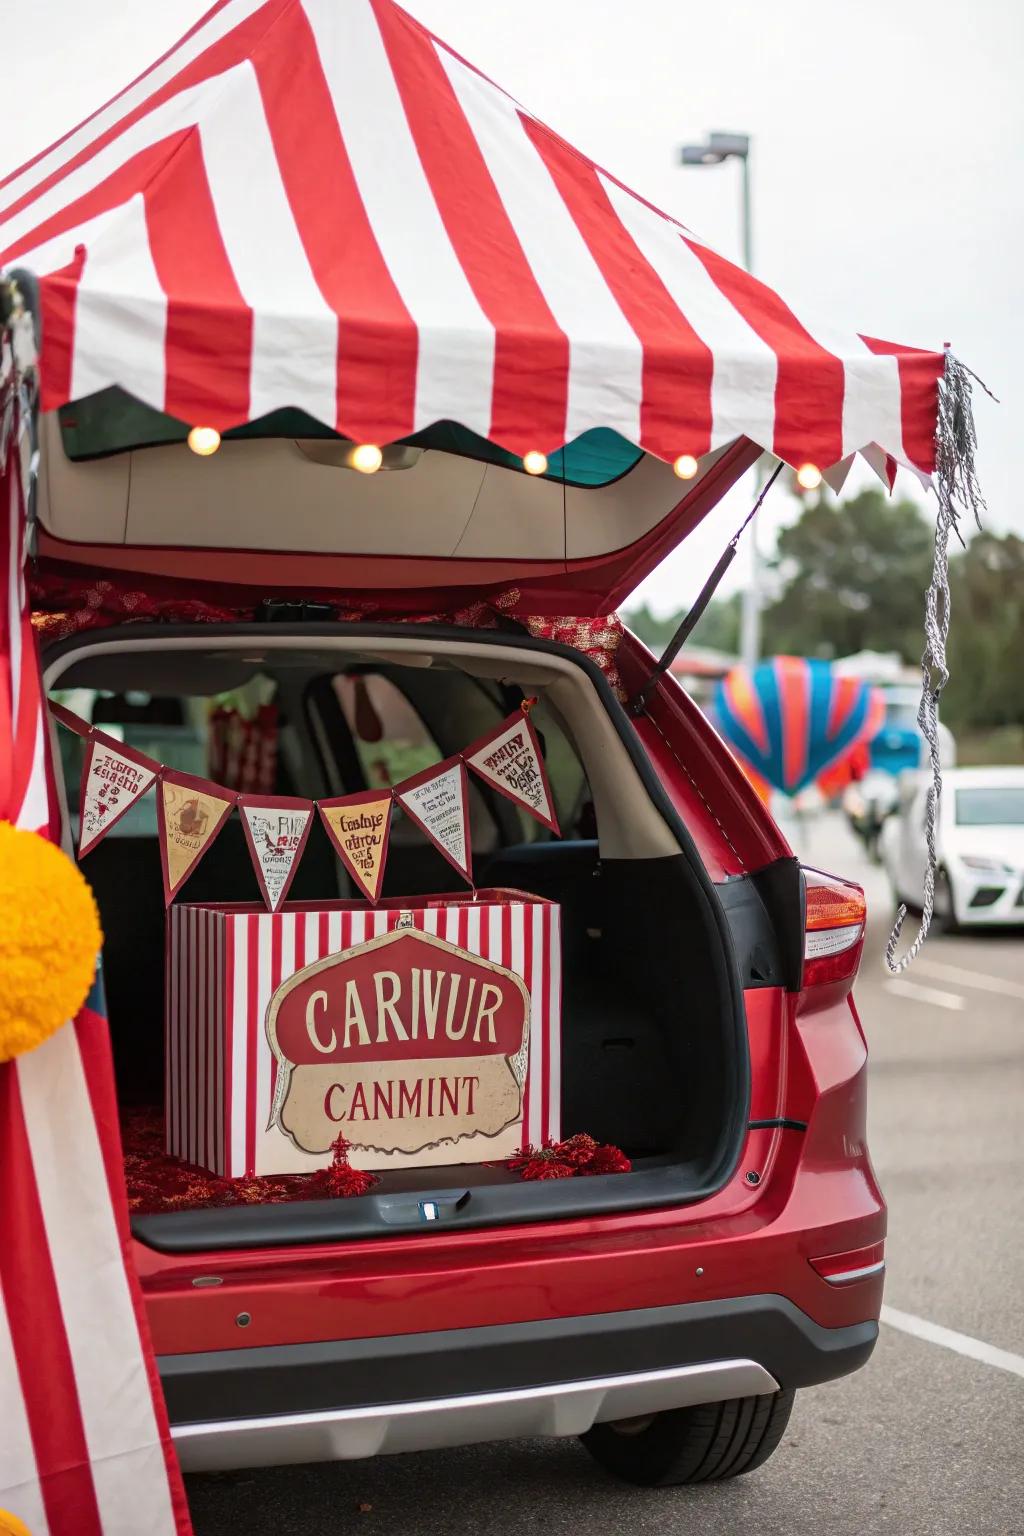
pixel 719 148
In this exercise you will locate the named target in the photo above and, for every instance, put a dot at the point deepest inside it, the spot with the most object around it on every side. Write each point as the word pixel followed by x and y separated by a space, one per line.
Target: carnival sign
pixel 114 778
pixel 359 827
pixel 437 801
pixel 510 760
pixel 190 812
pixel 406 1044
pixel 276 828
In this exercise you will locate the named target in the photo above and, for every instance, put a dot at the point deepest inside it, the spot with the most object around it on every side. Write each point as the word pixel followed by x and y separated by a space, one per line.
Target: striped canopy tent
pixel 317 204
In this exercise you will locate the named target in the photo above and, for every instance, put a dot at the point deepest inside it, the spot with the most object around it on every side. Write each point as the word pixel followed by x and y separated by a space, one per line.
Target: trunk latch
pixel 411 1210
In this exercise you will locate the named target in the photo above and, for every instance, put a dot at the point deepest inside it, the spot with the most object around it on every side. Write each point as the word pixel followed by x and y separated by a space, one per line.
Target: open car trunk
pixel 653 1054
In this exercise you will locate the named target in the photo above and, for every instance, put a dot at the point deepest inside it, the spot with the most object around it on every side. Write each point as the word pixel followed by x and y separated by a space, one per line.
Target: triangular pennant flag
pixel 114 777
pixel 437 800
pixel 276 828
pixel 359 826
pixel 510 760
pixel 190 811
pixel 69 719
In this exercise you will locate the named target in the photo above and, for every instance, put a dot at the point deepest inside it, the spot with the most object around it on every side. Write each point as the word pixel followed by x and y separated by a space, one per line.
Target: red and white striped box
pixel 284 1029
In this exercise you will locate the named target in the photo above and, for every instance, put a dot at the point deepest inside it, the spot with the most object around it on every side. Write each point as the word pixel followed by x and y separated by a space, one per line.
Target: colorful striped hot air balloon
pixel 791 720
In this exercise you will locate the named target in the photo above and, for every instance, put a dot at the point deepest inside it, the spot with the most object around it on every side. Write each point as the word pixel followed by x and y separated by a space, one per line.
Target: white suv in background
pixel 980 845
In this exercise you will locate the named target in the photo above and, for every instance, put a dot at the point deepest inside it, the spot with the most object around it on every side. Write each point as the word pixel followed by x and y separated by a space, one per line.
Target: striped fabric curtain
pixel 85 1448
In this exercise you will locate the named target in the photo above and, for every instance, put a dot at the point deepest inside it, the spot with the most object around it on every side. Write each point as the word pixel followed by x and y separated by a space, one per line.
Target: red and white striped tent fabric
pixel 316 203
pixel 85 1448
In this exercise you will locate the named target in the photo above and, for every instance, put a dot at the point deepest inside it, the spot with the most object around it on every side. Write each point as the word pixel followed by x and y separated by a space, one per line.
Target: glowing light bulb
pixel 685 466
pixel 535 463
pixel 367 458
pixel 808 477
pixel 204 441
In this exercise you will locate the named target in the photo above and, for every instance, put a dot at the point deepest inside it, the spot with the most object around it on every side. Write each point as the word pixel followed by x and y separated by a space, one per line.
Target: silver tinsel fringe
pixel 956 487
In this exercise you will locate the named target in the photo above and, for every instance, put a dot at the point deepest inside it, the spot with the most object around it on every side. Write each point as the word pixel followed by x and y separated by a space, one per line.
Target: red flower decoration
pixel 607 1160
pixel 578 1155
pixel 546 1168
pixel 577 1150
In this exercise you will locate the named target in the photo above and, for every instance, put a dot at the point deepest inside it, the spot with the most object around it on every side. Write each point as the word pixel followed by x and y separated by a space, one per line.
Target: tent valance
pixel 318 204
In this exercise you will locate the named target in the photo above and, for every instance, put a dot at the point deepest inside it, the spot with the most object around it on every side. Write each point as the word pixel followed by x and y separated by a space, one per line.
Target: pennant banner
pixel 359 826
pixel 509 759
pixel 69 719
pixel 191 812
pixel 437 801
pixel 114 778
pixel 276 828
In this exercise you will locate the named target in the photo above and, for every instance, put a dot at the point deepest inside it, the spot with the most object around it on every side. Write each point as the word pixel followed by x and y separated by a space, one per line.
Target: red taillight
pixel 856 1264
pixel 835 914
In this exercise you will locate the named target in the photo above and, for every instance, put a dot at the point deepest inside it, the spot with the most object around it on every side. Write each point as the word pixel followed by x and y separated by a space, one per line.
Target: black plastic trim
pixel 780 1124
pixel 679 1184
pixel 335 1221
pixel 759 954
pixel 407 1368
pixel 781 888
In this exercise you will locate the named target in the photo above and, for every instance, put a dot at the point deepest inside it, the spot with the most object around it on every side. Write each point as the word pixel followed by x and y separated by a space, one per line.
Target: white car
pixel 980 845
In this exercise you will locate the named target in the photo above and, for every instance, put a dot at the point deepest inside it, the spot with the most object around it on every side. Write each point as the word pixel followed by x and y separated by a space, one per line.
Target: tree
pixel 986 635
pixel 654 632
pixel 718 626
pixel 854 575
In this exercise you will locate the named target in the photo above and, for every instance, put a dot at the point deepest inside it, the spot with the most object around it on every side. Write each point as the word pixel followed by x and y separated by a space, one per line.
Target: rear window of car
pixel 173 731
pixel 392 739
pixel 1001 806
pixel 176 731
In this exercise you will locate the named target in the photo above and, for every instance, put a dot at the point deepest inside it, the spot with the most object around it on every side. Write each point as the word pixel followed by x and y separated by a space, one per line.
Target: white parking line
pixel 969 978
pixel 930 995
pixel 948 1338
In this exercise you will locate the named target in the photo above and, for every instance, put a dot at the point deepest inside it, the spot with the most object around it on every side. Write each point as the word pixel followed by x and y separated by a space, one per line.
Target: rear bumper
pixel 360 1397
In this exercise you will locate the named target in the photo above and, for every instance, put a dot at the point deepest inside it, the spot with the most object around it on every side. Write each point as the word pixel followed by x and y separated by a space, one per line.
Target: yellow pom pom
pixel 10 1525
pixel 50 939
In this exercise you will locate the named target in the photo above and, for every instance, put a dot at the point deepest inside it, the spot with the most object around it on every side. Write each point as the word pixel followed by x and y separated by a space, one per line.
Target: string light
pixel 685 466
pixel 808 477
pixel 204 441
pixel 535 463
pixel 367 458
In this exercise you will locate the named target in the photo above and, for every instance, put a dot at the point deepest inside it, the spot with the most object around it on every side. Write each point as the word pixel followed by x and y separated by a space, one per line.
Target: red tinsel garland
pixel 339 1180
pixel 68 600
pixel 579 1156
pixel 158 1182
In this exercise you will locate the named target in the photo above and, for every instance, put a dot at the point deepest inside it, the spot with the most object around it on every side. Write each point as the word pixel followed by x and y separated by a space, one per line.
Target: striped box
pixel 261 1009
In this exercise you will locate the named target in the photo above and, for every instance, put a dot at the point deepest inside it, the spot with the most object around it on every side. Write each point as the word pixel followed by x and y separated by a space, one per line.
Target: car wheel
pixel 692 1445
pixel 944 908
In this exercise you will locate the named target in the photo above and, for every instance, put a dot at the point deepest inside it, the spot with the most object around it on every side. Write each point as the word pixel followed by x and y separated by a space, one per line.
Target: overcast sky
pixel 888 189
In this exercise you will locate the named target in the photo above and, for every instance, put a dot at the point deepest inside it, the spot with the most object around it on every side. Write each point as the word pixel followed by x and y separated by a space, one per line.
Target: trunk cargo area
pixel 653 1053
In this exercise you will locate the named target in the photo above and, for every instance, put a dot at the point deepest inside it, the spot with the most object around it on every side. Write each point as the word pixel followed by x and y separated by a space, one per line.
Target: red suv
pixel 667 1314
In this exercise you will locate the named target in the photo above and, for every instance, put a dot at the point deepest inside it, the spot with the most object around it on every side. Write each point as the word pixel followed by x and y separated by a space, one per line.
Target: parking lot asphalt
pixel 927 1440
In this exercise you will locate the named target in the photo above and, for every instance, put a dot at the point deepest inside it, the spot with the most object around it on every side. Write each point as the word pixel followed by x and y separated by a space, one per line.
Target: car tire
pixel 702 1444
pixel 944 908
